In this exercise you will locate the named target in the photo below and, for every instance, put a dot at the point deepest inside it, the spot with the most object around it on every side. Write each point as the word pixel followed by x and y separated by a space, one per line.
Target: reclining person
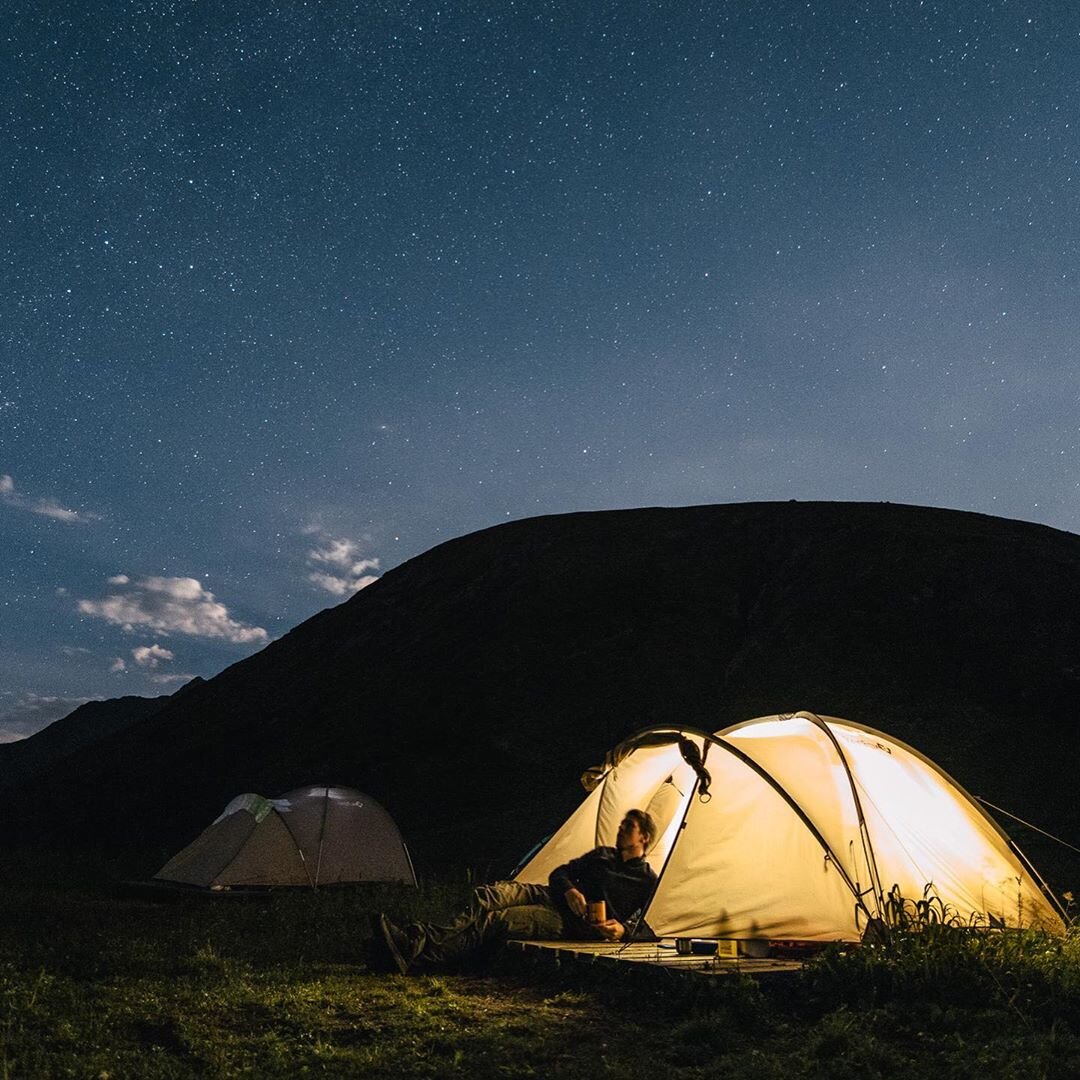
pixel 618 875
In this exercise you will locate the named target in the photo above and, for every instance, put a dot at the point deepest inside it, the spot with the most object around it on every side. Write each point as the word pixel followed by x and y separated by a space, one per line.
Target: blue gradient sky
pixel 292 293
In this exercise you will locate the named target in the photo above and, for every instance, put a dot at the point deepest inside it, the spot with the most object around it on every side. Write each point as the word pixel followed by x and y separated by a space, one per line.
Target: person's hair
pixel 645 823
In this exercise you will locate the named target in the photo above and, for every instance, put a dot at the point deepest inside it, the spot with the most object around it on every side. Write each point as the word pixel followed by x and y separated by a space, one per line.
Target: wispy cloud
pixel 170 605
pixel 337 565
pixel 50 508
pixel 46 507
pixel 149 656
pixel 32 712
pixel 168 680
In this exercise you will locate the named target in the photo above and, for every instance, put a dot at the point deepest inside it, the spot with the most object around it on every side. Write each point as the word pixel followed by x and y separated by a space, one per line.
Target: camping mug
pixel 597 911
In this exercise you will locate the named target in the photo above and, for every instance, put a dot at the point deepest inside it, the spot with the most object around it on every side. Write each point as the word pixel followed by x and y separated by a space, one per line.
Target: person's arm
pixel 611 930
pixel 634 929
pixel 563 882
pixel 575 901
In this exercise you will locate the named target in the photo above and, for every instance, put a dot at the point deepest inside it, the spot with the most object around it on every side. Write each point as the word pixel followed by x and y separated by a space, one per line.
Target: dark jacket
pixel 626 886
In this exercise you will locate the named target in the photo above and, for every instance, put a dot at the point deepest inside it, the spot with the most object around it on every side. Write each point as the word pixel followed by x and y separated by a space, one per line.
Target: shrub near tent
pixel 799 827
pixel 311 836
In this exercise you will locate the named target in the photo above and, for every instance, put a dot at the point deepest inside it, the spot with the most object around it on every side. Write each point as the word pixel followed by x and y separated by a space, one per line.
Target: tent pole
pixel 322 834
pixel 408 858
pixel 674 840
pixel 299 851
pixel 1047 891
pixel 799 813
pixel 864 831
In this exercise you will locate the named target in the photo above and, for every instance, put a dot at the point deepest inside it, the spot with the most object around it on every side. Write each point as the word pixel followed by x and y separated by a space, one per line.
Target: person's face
pixel 630 835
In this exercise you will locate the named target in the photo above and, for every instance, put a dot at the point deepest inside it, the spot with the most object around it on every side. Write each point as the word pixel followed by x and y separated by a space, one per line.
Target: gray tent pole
pixel 412 869
pixel 322 834
pixel 300 852
pixel 299 849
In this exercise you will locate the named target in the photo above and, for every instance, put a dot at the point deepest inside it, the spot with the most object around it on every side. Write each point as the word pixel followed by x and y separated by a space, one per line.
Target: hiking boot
pixel 402 949
pixel 376 954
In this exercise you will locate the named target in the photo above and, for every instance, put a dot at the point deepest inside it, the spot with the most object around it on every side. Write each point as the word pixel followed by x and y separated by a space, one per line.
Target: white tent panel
pixel 651 778
pixel 804 761
pixel 925 831
pixel 667 807
pixel 746 866
pixel 635 783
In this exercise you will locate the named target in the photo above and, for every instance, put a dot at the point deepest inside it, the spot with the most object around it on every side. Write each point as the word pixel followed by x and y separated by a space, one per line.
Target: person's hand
pixel 575 901
pixel 612 930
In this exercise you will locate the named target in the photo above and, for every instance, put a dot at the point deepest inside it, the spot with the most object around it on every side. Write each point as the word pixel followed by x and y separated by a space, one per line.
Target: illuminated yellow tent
pixel 799 827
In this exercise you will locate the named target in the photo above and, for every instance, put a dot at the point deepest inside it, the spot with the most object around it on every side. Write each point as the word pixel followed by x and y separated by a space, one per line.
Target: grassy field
pixel 96 984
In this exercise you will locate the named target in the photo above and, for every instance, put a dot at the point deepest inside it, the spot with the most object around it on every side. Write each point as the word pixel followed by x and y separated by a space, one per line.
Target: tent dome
pixel 800 827
pixel 316 835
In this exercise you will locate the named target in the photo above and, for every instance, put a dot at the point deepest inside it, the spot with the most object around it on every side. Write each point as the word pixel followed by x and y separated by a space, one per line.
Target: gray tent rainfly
pixel 308 837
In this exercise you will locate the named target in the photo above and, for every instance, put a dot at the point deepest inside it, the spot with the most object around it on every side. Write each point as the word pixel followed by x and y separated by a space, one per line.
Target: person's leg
pixel 528 922
pixel 440 946
pixel 499 895
pixel 495 896
pixel 497 912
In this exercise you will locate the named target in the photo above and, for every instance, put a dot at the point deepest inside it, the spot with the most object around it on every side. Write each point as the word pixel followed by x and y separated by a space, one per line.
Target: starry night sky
pixel 291 293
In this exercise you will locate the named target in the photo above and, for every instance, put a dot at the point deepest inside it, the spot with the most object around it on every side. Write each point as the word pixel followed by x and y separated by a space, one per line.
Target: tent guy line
pixel 1028 824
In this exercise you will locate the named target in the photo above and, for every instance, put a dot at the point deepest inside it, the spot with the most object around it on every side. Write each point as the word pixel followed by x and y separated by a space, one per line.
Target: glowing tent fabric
pixel 808 825
pixel 311 836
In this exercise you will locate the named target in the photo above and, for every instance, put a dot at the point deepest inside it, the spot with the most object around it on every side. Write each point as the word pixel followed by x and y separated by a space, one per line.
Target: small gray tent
pixel 311 836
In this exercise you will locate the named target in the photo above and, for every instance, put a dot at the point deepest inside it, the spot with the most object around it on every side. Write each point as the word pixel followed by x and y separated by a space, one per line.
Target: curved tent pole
pixel 408 858
pixel 1051 899
pixel 671 851
pixel 1026 863
pixel 299 849
pixel 830 855
pixel 322 835
pixel 654 736
pixel 674 843
pixel 599 803
pixel 864 831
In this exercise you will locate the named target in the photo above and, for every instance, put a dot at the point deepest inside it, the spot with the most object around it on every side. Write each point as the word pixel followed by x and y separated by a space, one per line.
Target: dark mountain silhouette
pixel 468 688
pixel 89 723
